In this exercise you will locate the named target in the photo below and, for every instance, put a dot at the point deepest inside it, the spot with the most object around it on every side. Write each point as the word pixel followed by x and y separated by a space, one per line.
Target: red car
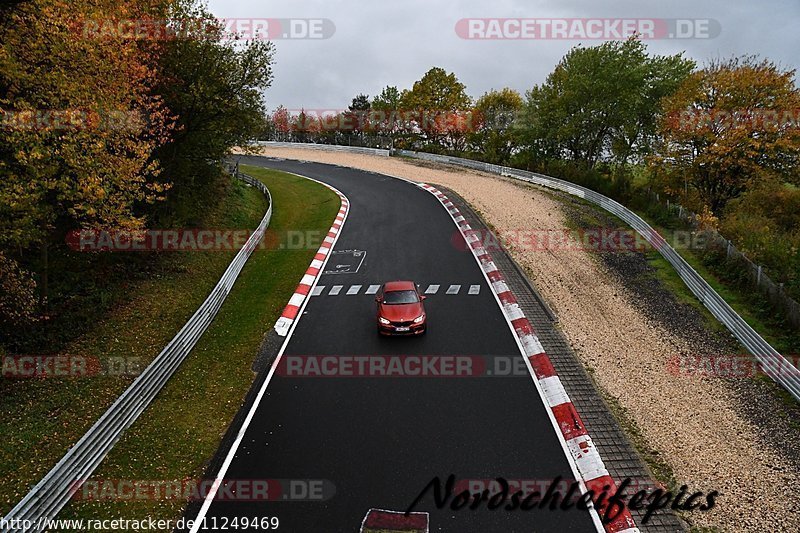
pixel 400 309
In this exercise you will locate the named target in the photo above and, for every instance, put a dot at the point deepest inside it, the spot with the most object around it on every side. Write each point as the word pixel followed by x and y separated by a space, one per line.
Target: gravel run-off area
pixel 730 435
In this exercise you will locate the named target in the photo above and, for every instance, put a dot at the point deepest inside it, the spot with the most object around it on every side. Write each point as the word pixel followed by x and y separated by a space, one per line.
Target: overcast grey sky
pixel 394 42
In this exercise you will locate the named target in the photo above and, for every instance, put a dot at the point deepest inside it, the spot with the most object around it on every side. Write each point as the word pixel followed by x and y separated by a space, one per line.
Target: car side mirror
pixel 378 299
pixel 423 297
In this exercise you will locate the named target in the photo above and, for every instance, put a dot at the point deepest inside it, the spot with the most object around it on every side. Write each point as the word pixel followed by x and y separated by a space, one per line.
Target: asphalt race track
pixel 378 441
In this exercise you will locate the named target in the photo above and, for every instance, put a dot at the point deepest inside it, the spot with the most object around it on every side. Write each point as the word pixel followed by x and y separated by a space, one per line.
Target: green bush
pixel 765 225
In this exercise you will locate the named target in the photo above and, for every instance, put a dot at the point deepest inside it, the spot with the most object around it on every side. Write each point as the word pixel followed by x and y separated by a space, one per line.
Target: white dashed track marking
pixel 351 290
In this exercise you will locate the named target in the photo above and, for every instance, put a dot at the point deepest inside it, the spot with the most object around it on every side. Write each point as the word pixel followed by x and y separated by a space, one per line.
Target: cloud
pixel 379 43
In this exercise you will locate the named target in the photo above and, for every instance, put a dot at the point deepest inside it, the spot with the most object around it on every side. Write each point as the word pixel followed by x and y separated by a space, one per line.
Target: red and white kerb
pixel 579 443
pixel 314 270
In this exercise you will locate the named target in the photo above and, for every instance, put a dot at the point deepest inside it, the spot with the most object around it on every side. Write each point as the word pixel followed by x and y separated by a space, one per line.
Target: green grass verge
pixel 181 430
pixel 744 302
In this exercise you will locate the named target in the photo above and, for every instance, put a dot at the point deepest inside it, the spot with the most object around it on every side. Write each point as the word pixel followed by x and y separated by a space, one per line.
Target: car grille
pixel 402 324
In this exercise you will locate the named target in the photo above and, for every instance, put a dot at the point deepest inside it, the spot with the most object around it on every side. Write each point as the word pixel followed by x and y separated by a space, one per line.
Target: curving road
pixel 377 442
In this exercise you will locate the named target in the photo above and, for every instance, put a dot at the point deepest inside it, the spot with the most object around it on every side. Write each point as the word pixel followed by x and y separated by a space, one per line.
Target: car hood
pixel 401 312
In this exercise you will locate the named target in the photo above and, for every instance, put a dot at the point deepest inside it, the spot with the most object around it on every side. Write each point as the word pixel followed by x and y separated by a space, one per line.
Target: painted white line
pixel 432 289
pixel 243 429
pixel 486 268
pixel 353 289
pixel 453 289
pixel 316 291
pixel 474 289
pixel 372 289
pixel 336 289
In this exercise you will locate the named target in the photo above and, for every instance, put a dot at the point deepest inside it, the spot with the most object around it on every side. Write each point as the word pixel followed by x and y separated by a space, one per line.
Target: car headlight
pixel 383 321
pixel 419 319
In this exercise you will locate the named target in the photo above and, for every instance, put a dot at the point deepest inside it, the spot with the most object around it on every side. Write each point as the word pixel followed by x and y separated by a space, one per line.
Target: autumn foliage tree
pixel 107 108
pixel 729 126
pixel 441 109
pixel 79 124
pixel 494 136
pixel 385 108
pixel 213 84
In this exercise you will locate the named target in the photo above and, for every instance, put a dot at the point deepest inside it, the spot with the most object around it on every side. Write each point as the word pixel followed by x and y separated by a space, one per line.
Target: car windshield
pixel 400 297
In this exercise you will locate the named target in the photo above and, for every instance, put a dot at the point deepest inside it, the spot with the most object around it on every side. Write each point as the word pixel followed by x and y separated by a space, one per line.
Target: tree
pixel 440 105
pixel 304 127
pixel 17 296
pixel 495 137
pixel 662 75
pixel 729 126
pixel 80 121
pixel 599 102
pixel 100 123
pixel 281 120
pixel 214 86
pixel 357 113
pixel 360 103
pixel 388 100
pixel 385 109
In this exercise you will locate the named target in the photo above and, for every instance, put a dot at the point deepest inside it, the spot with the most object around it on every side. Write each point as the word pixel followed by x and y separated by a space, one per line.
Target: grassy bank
pixel 747 301
pixel 182 428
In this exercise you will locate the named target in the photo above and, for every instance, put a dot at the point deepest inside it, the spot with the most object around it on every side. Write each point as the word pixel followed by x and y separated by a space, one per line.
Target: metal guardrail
pixel 52 493
pixel 326 147
pixel 773 363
